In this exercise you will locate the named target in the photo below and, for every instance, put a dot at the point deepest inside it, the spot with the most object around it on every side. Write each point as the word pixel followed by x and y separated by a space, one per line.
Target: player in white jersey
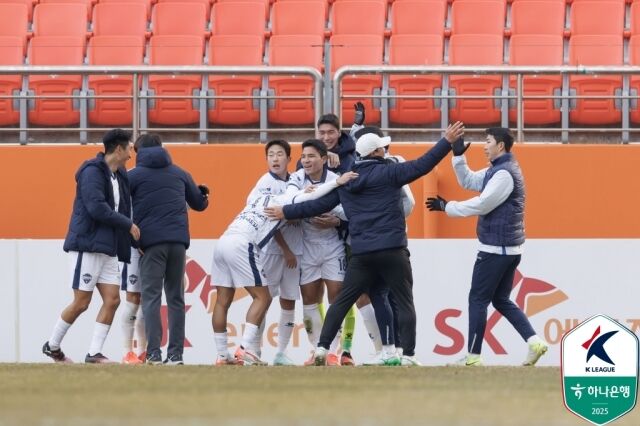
pixel 323 255
pixel 237 262
pixel 132 317
pixel 281 257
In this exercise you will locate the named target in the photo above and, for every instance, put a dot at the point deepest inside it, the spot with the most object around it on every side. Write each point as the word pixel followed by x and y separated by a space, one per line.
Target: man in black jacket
pixel 160 192
pixel 98 237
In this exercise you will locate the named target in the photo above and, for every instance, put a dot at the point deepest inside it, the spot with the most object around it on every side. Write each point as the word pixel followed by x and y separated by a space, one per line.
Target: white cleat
pixel 536 350
pixel 282 359
pixel 409 361
pixel 384 359
pixel 246 357
pixel 320 356
pixel 470 360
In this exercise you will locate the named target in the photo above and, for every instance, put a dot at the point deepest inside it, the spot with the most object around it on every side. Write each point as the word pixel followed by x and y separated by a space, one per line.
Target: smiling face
pixel 329 135
pixel 277 160
pixel 493 149
pixel 312 162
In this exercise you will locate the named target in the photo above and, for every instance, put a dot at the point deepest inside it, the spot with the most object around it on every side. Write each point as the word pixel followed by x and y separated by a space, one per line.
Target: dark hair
pixel 114 138
pixel 501 134
pixel 329 119
pixel 147 141
pixel 317 144
pixel 368 129
pixel 279 142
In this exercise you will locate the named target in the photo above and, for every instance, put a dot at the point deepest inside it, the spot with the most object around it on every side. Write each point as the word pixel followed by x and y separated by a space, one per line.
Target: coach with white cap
pixel 372 203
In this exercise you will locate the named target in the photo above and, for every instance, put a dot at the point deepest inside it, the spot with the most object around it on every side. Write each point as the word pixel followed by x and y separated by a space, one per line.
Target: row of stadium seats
pixel 304 33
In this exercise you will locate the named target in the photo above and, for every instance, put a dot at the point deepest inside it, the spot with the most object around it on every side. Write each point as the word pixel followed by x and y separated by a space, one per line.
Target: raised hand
pixel 454 131
pixel 436 204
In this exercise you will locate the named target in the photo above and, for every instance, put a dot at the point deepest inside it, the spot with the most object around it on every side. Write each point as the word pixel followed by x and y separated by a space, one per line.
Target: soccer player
pixel 282 256
pixel 237 262
pixel 500 211
pixel 132 316
pixel 323 255
pixel 98 237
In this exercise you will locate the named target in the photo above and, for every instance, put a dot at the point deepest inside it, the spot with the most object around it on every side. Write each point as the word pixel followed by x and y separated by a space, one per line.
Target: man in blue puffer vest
pixel 160 191
pixel 500 211
pixel 372 204
pixel 98 237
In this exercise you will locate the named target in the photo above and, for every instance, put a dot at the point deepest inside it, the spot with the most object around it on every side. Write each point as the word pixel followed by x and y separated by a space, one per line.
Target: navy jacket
pixel 95 227
pixel 345 148
pixel 372 202
pixel 160 192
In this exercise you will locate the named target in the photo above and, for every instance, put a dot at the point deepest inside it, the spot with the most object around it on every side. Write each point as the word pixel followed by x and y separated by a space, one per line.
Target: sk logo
pixel 595 387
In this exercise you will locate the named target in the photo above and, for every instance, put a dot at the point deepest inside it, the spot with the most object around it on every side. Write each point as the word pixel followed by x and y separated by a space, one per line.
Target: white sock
pixel 141 333
pixel 128 320
pixel 312 323
pixel 333 348
pixel 221 344
pixel 100 332
pixel 249 336
pixel 534 339
pixel 256 345
pixel 370 323
pixel 285 328
pixel 59 331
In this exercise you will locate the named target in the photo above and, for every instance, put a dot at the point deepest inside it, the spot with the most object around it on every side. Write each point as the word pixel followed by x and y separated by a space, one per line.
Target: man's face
pixel 277 160
pixel 493 149
pixel 311 160
pixel 123 154
pixel 329 135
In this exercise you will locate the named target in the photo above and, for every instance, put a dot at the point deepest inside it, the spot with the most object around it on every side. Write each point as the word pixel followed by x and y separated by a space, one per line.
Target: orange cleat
pixel 131 358
pixel 332 360
pixel 347 360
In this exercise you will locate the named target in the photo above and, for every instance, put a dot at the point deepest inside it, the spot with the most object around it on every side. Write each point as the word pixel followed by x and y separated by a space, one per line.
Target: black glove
pixel 358 118
pixel 204 190
pixel 436 204
pixel 459 147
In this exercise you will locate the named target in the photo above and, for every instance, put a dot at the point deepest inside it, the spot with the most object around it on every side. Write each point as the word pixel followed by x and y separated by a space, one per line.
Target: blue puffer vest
pixel 504 225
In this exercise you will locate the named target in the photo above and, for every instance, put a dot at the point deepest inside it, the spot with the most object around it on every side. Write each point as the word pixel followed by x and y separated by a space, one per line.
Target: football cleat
pixel 536 350
pixel 97 359
pixel 55 354
pixel 131 358
pixel 347 360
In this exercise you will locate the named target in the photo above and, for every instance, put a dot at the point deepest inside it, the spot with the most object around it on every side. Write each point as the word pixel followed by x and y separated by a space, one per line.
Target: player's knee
pixel 112 302
pixel 80 306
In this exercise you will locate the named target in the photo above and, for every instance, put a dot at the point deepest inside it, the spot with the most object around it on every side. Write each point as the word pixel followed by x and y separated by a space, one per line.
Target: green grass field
pixel 42 394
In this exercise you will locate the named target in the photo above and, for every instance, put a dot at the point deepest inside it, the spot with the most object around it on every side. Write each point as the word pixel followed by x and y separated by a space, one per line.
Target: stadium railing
pixel 623 100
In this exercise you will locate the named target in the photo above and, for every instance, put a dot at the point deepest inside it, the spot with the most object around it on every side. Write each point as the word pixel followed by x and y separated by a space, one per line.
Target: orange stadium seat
pixel 175 50
pixel 88 4
pixel 294 50
pixel 120 19
pixel 179 19
pixel 28 3
pixel 205 3
pixel 415 49
pixel 55 50
pixel 146 3
pixel 418 17
pixel 324 3
pixel 475 49
pixel 595 50
pixel 230 18
pixel 298 17
pixel 235 50
pixel 635 18
pixel 353 49
pixel 537 17
pixel 530 50
pixel 113 50
pixel 264 5
pixel 347 17
pixel 597 17
pixel 477 17
pixel 14 22
pixel 60 19
pixel 11 53
pixel 634 59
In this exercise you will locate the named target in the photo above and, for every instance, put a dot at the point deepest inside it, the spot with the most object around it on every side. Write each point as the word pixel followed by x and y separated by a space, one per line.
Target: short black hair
pixel 317 144
pixel 329 119
pixel 114 138
pixel 501 134
pixel 280 142
pixel 368 129
pixel 147 141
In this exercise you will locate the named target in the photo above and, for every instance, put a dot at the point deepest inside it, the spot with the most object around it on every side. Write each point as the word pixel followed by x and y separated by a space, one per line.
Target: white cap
pixel 369 142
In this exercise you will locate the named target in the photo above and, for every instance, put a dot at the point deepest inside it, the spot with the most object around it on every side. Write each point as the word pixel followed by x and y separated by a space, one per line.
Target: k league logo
pixel 600 370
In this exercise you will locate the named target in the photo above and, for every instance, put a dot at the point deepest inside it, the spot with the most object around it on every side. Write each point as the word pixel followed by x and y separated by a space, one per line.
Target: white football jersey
pixel 271 184
pixel 311 233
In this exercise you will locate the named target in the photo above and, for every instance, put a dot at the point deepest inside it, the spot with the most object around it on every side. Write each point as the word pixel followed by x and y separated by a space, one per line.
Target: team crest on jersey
pixel 86 278
pixel 133 279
